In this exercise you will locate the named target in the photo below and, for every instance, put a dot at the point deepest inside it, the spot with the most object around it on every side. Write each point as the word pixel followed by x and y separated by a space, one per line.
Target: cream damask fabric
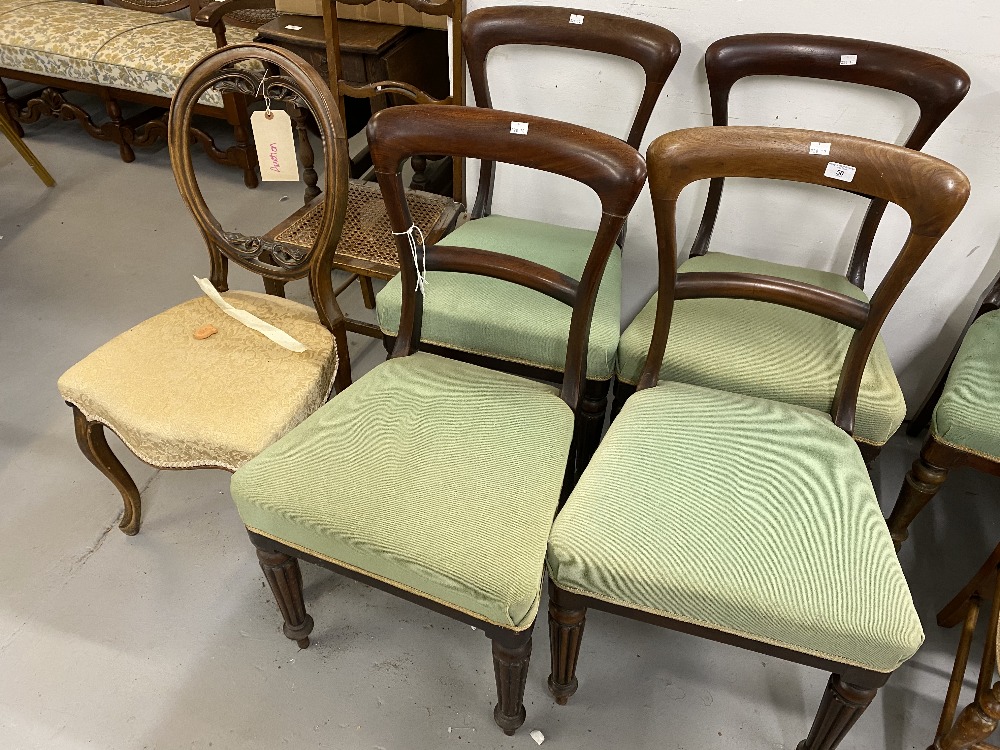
pixel 153 59
pixel 177 402
pixel 60 39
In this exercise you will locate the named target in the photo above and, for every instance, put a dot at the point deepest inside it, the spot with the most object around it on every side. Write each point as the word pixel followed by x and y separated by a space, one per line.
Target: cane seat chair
pixel 523 331
pixel 743 520
pixel 178 401
pixel 432 478
pixel 979 719
pixel 964 424
pixel 367 249
pixel 754 356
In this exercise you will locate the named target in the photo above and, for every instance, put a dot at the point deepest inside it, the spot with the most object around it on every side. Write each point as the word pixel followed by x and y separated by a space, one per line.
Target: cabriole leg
pixel 285 579
pixel 90 437
pixel 511 654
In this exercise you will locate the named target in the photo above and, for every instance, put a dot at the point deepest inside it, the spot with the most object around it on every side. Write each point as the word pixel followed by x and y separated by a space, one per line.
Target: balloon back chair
pixel 752 358
pixel 431 478
pixel 183 389
pixel 742 520
pixel 521 331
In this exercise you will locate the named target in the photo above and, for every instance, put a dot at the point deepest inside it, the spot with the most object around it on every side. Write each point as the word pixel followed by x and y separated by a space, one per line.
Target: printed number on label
pixel 843 172
pixel 848 59
pixel 519 128
pixel 819 148
pixel 575 18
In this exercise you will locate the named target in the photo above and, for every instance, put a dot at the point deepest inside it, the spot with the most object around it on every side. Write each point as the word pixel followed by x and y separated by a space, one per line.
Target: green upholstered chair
pixel 179 400
pixel 432 478
pixel 780 353
pixel 965 420
pixel 750 521
pixel 520 330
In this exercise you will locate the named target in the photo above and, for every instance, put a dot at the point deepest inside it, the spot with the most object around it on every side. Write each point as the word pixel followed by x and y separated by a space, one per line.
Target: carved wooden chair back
pixel 453 10
pixel 931 191
pixel 611 168
pixel 653 47
pixel 936 85
pixel 283 77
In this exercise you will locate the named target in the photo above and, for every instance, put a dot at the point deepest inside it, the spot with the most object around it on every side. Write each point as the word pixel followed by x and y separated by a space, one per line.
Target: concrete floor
pixel 170 639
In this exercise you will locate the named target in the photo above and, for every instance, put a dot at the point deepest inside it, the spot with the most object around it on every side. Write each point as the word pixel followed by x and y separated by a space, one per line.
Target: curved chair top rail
pixel 931 191
pixel 653 47
pixel 256 71
pixel 611 168
pixel 935 84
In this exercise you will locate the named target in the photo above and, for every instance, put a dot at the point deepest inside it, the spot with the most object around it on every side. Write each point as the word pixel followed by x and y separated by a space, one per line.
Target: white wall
pixel 789 223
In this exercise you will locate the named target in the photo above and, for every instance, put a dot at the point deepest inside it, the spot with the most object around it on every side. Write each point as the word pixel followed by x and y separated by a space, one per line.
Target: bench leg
pixel 10 108
pixel 119 133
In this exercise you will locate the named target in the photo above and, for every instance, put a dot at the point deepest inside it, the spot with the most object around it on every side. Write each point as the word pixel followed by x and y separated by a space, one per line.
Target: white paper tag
pixel 275 146
pixel 848 59
pixel 290 27
pixel 575 18
pixel 843 172
pixel 819 148
pixel 537 736
pixel 519 128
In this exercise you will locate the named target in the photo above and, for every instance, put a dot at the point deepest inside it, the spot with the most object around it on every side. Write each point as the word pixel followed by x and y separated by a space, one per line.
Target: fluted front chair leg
pixel 565 636
pixel 511 654
pixel 842 705
pixel 285 579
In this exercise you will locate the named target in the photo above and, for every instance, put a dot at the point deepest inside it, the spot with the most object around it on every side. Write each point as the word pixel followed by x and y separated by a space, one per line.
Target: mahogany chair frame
pixel 653 47
pixel 300 85
pixel 937 459
pixel 980 718
pixel 609 167
pixel 936 85
pixel 931 191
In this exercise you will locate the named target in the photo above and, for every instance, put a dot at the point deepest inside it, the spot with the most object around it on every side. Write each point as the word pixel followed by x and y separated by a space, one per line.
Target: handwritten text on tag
pixel 819 148
pixel 519 128
pixel 575 18
pixel 848 59
pixel 843 172
pixel 275 146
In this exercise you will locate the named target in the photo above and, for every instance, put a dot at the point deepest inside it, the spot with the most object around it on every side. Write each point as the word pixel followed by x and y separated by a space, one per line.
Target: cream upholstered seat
pixel 140 383
pixel 731 345
pixel 676 517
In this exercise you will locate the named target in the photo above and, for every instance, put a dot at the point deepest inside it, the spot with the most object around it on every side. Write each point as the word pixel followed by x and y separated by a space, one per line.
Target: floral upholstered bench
pixel 130 52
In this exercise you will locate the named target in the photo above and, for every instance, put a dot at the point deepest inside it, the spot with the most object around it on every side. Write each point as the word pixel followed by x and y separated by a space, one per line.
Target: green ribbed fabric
pixel 966 415
pixel 435 475
pixel 744 515
pixel 764 350
pixel 499 319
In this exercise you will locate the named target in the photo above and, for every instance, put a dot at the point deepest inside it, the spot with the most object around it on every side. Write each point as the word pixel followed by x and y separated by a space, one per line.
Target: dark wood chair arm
pixel 212 13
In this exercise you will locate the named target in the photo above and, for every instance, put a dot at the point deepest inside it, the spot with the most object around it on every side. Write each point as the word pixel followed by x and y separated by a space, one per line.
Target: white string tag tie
pixel 419 264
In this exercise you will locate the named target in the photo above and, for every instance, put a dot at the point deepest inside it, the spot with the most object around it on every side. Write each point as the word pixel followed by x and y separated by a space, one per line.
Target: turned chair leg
pixel 622 392
pixel 90 437
pixel 922 483
pixel 511 654
pixel 285 579
pixel 976 722
pixel 565 636
pixel 367 292
pixel 840 709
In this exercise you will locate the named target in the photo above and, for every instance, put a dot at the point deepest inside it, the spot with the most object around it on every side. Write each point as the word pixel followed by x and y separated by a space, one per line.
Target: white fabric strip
pixel 276 335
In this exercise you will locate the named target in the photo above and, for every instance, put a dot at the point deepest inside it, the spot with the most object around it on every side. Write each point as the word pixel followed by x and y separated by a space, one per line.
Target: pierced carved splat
pixel 266 251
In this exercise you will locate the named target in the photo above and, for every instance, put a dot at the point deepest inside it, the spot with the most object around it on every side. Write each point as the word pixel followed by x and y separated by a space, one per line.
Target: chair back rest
pixel 610 167
pixel 259 72
pixel 653 47
pixel 936 85
pixel 931 191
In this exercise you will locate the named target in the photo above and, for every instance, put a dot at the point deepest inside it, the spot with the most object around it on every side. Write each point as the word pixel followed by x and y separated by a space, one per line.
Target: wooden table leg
pixel 21 147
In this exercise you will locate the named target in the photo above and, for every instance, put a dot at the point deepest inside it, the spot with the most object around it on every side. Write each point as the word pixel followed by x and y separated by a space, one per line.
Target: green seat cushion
pixel 746 516
pixel 966 414
pixel 499 319
pixel 764 350
pixel 437 476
